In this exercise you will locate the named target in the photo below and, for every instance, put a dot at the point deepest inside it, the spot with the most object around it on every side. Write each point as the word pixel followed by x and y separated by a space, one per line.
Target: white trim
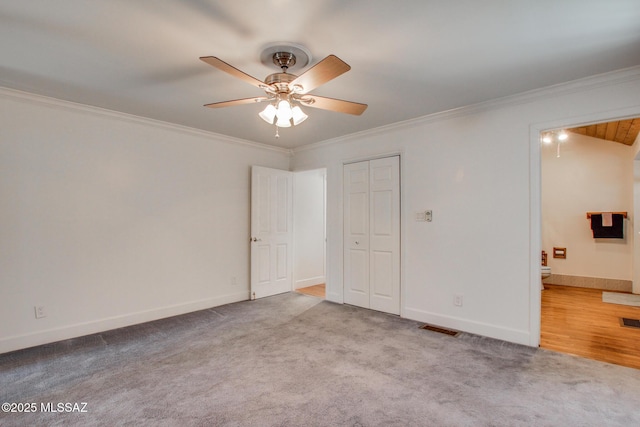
pixel 74 106
pixel 367 158
pixel 403 237
pixel 478 328
pixel 321 279
pixel 599 80
pixel 592 82
pixel 535 233
pixel 337 297
pixel 17 342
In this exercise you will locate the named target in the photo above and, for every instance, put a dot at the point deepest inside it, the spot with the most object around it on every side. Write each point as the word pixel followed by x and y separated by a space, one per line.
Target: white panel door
pixel 372 234
pixel 271 231
pixel 356 234
pixel 384 232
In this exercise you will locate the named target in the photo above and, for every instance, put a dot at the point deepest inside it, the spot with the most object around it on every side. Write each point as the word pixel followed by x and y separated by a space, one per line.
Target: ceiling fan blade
pixel 230 69
pixel 332 104
pixel 327 69
pixel 236 102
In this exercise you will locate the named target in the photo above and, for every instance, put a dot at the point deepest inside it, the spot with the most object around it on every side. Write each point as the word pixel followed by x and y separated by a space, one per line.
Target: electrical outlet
pixel 457 300
pixel 234 281
pixel 424 216
pixel 40 311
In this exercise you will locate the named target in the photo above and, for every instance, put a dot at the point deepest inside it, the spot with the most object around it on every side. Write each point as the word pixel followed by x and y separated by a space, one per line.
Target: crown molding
pixel 103 112
pixel 587 83
pixel 592 82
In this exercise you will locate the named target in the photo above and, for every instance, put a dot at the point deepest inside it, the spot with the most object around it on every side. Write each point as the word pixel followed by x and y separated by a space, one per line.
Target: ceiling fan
pixel 284 91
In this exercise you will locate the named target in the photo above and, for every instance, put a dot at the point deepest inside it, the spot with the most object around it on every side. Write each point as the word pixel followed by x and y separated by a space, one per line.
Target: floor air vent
pixel 440 330
pixel 630 323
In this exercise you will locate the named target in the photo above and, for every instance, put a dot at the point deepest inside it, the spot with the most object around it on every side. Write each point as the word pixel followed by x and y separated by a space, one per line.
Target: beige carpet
pixel 295 360
pixel 621 298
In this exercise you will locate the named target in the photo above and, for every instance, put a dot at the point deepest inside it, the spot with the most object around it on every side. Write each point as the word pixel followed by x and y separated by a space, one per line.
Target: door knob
pixel 255 239
pixel 357 243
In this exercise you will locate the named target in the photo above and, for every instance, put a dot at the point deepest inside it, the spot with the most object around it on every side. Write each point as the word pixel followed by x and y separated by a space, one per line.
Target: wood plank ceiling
pixel 622 131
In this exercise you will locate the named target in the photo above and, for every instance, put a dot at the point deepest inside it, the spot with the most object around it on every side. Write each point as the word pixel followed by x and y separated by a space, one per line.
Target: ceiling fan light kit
pixel 284 91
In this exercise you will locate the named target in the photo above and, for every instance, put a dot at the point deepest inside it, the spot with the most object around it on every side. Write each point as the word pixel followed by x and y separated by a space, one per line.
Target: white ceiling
pixel 408 58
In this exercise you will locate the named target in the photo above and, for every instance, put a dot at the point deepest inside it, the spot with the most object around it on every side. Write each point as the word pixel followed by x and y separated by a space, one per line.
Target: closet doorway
pixel 372 234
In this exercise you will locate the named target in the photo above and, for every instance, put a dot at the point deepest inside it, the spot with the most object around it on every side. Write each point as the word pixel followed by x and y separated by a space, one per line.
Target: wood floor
pixel 314 291
pixel 576 321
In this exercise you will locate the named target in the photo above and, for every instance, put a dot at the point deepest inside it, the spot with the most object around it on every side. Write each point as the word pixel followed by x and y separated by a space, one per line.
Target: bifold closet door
pixel 372 234
pixel 356 234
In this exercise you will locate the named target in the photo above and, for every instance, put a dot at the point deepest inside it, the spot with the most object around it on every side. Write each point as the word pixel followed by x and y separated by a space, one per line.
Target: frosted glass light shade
pixel 283 123
pixel 268 114
pixel 282 114
pixel 298 115
pixel 284 110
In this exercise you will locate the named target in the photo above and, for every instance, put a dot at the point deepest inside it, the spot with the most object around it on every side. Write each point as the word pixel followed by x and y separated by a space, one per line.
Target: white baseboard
pixel 304 283
pixel 478 328
pixel 18 342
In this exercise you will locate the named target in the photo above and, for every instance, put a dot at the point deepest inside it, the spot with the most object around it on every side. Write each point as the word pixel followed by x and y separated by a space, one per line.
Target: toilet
pixel 545 272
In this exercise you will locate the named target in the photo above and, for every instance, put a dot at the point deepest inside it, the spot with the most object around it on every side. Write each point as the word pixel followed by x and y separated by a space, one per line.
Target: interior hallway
pixel 314 291
pixel 576 321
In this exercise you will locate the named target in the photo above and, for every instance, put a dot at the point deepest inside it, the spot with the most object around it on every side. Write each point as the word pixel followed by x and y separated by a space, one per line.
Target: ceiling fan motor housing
pixel 280 81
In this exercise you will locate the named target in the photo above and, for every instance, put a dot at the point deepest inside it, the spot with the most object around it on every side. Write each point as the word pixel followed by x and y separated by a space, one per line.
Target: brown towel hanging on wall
pixel 613 232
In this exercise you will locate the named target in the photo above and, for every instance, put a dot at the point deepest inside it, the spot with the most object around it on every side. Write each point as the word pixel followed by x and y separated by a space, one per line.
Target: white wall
pixel 108 220
pixel 590 175
pixel 309 228
pixel 478 169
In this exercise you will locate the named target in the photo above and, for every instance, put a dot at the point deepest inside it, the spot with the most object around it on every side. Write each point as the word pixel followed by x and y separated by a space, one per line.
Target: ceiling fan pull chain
pixel 277 134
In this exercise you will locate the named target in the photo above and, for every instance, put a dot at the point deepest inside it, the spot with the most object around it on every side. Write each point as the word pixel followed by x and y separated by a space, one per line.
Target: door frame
pixel 296 174
pixel 535 201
